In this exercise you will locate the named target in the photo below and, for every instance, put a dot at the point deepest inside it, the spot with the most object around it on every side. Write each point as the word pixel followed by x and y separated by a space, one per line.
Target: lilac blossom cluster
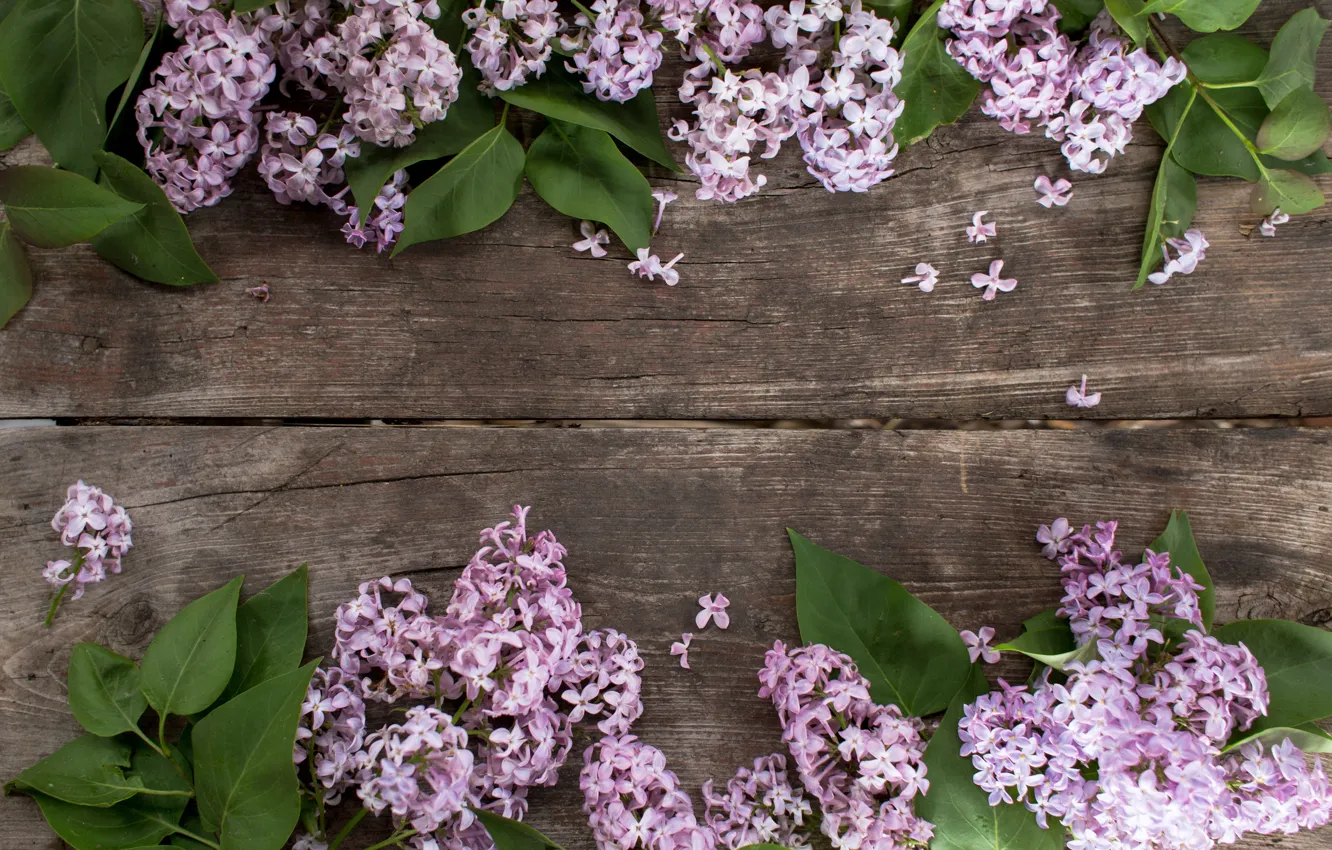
pixel 1128 752
pixel 1085 97
pixel 761 805
pixel 512 41
pixel 510 661
pixel 99 529
pixel 633 800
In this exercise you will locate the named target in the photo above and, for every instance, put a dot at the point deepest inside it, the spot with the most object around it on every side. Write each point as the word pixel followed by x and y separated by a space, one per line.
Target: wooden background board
pixel 790 307
pixel 652 519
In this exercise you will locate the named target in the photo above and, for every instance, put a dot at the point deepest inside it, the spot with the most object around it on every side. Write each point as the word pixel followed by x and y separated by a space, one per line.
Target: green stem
pixel 332 116
pixel 199 838
pixel 149 742
pixel 713 56
pixel 55 603
pixel 395 838
pixel 457 715
pixel 161 736
pixel 154 792
pixel 580 7
pixel 346 830
pixel 504 114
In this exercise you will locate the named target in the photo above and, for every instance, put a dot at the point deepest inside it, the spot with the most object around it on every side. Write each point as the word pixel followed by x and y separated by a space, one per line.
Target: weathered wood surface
pixel 790 307
pixel 652 520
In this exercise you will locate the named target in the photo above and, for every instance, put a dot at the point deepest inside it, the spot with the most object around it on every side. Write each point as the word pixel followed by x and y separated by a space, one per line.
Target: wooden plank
pixel 790 307
pixel 652 519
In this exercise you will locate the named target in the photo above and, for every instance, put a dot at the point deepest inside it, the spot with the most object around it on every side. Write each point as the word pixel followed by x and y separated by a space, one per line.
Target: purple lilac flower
pixel 259 293
pixel 861 762
pixel 420 771
pixel 1079 397
pixel 1189 251
pixel 649 265
pixel 101 533
pixel 681 648
pixel 926 277
pixel 978 231
pixel 1056 194
pixel 633 801
pixel 513 41
pixel 978 645
pixel 1269 225
pixel 1055 538
pixel 761 805
pixel 385 222
pixel 617 50
pixel 714 610
pixel 592 239
pixel 663 197
pixel 993 282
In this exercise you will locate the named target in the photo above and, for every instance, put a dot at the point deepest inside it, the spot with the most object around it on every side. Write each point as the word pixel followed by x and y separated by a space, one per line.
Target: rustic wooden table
pixel 242 439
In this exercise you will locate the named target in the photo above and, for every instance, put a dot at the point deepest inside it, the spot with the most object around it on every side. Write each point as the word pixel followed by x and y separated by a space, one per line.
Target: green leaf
pixel 59 60
pixel 1077 14
pixel 50 208
pixel 1224 58
pixel 960 811
pixel 104 693
pixel 1047 638
pixel 1177 540
pixel 130 90
pixel 558 94
pixel 1297 660
pixel 898 11
pixel 270 632
pixel 1294 57
pixel 580 172
pixel 153 244
pixel 511 834
pixel 137 822
pixel 1174 201
pixel 15 275
pixel 1297 127
pixel 471 115
pixel 1294 193
pixel 1307 737
pixel 244 776
pixel 1128 14
pixel 12 128
pixel 935 89
pixel 1206 15
pixel 473 189
pixel 243 6
pixel 911 656
pixel 88 771
pixel 189 662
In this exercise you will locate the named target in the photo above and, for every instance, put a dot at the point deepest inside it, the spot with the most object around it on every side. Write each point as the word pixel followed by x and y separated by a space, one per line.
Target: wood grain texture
pixel 652 519
pixel 790 307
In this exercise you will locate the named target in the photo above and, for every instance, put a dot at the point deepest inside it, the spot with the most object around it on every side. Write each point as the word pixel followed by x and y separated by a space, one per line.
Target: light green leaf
pixel 1294 56
pixel 934 87
pixel 244 776
pixel 59 60
pixel 153 244
pixel 1128 14
pixel 471 115
pixel 1174 201
pixel 960 811
pixel 1308 737
pixel 88 771
pixel 1297 127
pixel 15 275
pixel 189 662
pixel 1047 638
pixel 511 834
pixel 270 632
pixel 1297 660
pixel 1206 15
pixel 12 128
pixel 558 94
pixel 911 656
pixel 1177 540
pixel 472 190
pixel 1290 191
pixel 104 693
pixel 580 172
pixel 51 208
pixel 1077 14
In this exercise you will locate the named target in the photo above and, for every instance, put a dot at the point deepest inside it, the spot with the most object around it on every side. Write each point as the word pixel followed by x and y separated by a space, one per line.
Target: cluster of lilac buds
pixel 512 43
pixel 1189 251
pixel 1127 753
pixel 1087 98
pixel 505 671
pixel 616 51
pixel 99 529
pixel 196 119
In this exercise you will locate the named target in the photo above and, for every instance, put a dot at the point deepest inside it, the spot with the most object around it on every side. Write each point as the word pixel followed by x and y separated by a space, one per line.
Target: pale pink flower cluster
pixel 512 40
pixel 1087 97
pixel 634 801
pixel 617 51
pixel 761 805
pixel 509 668
pixel 98 528
pixel 1189 252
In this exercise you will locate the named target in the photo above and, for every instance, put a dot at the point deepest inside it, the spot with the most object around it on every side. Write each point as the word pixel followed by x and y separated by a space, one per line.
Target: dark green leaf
pixel 1308 737
pixel 1224 58
pixel 137 822
pixel 1294 56
pixel 1206 15
pixel 1290 191
pixel 1077 14
pixel 1298 662
pixel 154 243
pixel 15 275
pixel 471 115
pixel 59 60
pixel 580 172
pixel 1174 201
pixel 559 94
pixel 960 811
pixel 191 822
pixel 189 662
pixel 1207 146
pixel 12 128
pixel 104 694
pixel 1047 638
pixel 88 771
pixel 131 89
pixel 243 6
pixel 1177 540
pixel 1297 127
pixel 244 776
pixel 511 834
pixel 449 28
pixel 473 189
pixel 911 656
pixel 159 778
pixel 270 632
pixel 51 208
pixel 898 11
pixel 1128 14
pixel 935 89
